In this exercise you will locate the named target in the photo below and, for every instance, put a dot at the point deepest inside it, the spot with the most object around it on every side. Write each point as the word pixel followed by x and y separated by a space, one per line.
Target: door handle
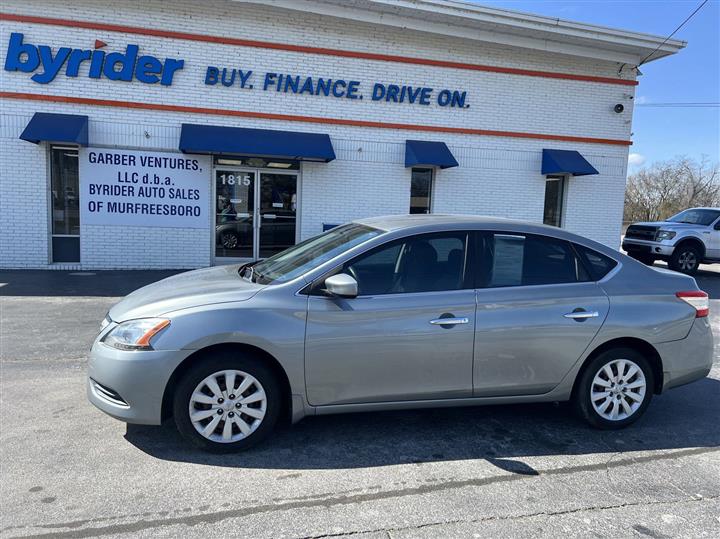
pixel 582 315
pixel 449 321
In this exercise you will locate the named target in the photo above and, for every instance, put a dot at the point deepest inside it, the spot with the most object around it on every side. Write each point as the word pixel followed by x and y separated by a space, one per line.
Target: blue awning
pixel 429 154
pixel 256 142
pixel 45 126
pixel 566 162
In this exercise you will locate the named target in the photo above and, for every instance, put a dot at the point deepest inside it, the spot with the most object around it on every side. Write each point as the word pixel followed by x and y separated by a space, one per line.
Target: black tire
pixel 648 260
pixel 221 361
pixel 686 259
pixel 582 400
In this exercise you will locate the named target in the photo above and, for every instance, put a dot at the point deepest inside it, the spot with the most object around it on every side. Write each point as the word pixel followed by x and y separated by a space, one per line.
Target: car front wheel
pixel 615 389
pixel 227 403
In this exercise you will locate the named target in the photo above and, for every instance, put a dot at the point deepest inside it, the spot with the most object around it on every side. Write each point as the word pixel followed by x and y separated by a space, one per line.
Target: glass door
pixel 255 213
pixel 278 212
pixel 235 213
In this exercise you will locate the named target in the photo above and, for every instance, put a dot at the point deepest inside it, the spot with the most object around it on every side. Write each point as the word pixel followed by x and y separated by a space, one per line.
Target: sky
pixel 692 75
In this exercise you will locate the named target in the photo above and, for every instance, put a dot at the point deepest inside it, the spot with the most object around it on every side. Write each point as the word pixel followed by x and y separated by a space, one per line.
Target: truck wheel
pixel 685 259
pixel 648 260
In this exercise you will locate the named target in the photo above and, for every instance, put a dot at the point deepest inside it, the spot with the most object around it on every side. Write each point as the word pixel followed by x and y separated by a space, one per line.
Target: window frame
pixel 482 275
pixel 469 280
pixel 563 183
pixel 431 188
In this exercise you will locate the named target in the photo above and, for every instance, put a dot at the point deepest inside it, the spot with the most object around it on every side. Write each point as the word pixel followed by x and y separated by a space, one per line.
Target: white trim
pixel 472 21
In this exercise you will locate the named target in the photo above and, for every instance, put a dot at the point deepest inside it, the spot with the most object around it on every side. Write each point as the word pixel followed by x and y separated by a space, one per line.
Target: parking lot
pixel 532 470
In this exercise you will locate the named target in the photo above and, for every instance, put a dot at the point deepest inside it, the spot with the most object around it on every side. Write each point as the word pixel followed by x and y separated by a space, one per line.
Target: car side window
pixel 423 263
pixel 528 259
pixel 598 264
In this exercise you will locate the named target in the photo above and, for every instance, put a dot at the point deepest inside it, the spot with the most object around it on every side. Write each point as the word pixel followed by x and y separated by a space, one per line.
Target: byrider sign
pixel 126 66
pixel 45 65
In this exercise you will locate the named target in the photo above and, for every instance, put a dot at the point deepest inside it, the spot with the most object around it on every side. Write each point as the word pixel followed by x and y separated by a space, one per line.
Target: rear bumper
pixel 688 359
pixel 647 247
pixel 129 386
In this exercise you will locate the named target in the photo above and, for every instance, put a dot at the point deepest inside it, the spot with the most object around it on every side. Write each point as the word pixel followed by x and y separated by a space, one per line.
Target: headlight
pixel 666 234
pixel 135 334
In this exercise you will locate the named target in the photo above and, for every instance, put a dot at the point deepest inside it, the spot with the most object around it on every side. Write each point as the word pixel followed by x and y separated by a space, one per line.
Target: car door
pixel 711 238
pixel 537 311
pixel 409 333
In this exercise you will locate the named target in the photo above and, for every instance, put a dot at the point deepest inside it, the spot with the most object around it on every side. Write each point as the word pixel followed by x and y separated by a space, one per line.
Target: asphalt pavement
pixel 67 470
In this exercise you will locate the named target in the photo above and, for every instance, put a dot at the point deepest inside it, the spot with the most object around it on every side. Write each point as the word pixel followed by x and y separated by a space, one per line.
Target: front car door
pixel 712 240
pixel 409 333
pixel 537 311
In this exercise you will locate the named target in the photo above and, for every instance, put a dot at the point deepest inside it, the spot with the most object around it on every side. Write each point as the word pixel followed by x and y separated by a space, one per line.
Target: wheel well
pixel 643 347
pixel 695 243
pixel 180 370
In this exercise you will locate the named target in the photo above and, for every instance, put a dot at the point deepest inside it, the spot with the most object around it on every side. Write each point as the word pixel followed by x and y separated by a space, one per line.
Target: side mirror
pixel 717 226
pixel 342 285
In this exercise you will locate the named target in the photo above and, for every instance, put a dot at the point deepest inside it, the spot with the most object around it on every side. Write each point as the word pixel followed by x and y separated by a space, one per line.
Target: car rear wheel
pixel 227 403
pixel 615 389
pixel 685 259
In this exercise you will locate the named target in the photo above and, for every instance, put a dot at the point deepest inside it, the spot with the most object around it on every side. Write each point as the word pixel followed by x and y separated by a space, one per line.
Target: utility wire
pixel 673 33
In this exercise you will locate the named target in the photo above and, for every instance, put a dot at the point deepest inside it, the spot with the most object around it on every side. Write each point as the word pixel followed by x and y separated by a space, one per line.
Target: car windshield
pixel 307 255
pixel 696 217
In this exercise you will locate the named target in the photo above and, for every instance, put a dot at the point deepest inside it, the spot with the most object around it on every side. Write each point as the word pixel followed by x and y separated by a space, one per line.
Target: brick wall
pixel 497 175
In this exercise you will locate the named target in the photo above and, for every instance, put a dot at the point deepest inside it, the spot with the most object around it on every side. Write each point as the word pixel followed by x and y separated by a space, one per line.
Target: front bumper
pixel 688 359
pixel 130 385
pixel 647 247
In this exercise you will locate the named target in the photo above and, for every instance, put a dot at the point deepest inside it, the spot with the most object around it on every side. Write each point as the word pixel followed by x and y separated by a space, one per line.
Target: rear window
pixel 598 264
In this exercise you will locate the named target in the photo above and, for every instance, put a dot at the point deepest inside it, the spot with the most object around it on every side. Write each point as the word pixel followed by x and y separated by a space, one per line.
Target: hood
pixel 220 284
pixel 667 225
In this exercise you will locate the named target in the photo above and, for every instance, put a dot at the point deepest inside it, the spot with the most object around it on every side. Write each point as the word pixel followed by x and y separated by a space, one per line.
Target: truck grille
pixel 641 232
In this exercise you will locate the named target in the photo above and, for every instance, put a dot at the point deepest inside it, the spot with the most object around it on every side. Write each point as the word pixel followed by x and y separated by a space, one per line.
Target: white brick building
pixel 521 83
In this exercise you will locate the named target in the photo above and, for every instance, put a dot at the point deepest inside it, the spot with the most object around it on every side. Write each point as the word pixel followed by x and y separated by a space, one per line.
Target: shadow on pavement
pixel 682 418
pixel 77 283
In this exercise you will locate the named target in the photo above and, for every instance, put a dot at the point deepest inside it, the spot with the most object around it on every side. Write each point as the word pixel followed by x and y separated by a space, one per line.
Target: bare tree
pixel 667 187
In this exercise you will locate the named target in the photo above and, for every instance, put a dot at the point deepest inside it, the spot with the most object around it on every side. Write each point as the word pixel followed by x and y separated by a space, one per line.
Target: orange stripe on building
pixel 305 119
pixel 154 32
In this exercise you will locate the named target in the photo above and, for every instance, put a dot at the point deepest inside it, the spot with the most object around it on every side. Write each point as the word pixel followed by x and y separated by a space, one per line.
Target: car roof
pixel 429 223
pixel 396 222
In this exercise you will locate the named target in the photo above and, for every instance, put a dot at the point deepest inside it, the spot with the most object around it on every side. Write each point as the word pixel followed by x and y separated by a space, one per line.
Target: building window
pixel 421 190
pixel 65 204
pixel 554 193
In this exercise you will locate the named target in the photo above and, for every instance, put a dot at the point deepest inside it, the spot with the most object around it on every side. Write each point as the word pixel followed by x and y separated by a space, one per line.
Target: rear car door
pixel 408 335
pixel 538 308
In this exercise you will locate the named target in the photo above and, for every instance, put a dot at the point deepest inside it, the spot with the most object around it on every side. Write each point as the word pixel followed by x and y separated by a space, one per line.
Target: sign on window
pixel 139 188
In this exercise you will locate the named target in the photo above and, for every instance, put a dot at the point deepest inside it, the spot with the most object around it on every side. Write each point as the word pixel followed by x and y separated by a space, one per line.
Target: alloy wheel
pixel 618 389
pixel 227 406
pixel 687 260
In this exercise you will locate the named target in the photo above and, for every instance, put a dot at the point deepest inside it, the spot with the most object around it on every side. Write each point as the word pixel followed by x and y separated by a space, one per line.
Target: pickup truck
pixel 685 240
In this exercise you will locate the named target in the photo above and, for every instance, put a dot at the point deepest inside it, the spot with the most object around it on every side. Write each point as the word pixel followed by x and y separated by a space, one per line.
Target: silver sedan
pixel 395 313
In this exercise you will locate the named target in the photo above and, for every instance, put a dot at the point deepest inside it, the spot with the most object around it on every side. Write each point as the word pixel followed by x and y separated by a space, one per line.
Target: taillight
pixel 697 299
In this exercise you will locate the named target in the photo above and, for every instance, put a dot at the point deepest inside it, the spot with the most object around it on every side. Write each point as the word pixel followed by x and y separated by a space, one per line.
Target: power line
pixel 673 32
